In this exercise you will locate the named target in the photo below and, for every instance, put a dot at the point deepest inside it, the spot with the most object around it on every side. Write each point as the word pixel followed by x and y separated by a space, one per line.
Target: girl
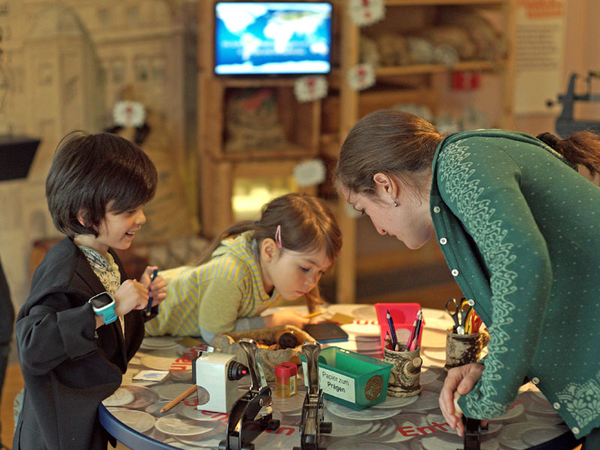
pixel 72 349
pixel 518 227
pixel 249 267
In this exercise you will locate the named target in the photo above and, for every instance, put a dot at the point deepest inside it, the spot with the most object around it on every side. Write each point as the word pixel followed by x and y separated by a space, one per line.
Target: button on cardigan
pixel 522 230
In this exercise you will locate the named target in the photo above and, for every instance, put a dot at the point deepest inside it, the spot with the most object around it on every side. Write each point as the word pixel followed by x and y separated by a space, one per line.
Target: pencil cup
pixel 405 376
pixel 463 349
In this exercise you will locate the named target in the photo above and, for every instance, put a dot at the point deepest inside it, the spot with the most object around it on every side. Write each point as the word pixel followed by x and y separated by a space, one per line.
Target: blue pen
pixel 149 307
pixel 392 330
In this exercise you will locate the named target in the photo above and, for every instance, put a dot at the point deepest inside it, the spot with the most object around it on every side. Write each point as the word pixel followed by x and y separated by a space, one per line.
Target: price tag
pixel 366 12
pixel 310 173
pixel 129 114
pixel 361 77
pixel 311 88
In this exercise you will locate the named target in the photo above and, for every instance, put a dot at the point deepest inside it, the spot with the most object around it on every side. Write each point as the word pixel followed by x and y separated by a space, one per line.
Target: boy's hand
pixel 131 295
pixel 158 288
pixel 286 317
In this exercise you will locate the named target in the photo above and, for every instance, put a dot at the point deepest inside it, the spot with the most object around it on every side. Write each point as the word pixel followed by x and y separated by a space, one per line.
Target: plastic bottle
pixel 285 379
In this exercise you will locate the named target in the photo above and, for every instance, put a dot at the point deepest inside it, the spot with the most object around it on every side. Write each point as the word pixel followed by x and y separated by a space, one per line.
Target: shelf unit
pixel 427 83
pixel 219 165
pixel 317 129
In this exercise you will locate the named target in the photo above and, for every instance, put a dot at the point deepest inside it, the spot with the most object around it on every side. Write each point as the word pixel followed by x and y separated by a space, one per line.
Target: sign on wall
pixel 539 54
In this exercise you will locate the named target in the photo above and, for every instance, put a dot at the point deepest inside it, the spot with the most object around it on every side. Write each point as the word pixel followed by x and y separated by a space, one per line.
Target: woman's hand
pixel 157 289
pixel 285 317
pixel 459 381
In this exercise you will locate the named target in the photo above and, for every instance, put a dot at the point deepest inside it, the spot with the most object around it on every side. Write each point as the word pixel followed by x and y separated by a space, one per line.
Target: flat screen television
pixel 272 38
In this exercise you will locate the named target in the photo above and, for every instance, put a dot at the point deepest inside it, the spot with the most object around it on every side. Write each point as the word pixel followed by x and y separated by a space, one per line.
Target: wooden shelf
pixel 283 151
pixel 464 66
pixel 257 82
pixel 444 2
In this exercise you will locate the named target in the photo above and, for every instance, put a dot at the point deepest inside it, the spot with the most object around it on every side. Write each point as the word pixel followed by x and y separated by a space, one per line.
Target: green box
pixel 351 379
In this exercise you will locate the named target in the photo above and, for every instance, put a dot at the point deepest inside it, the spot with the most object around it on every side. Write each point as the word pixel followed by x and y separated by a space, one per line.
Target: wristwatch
pixel 103 305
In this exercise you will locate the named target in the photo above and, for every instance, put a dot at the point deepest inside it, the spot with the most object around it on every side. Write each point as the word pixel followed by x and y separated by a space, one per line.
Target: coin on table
pixel 138 420
pixel 343 428
pixel 181 376
pixel 406 426
pixel 174 426
pixel 291 405
pixel 158 343
pixel 395 402
pixel 206 440
pixel 361 444
pixel 171 391
pixel 155 408
pixel 451 442
pixel 120 397
pixel 368 414
pixel 435 386
pixel 143 396
pixel 511 435
pixel 191 410
pixel 442 425
pixel 196 441
pixel 427 400
pixel 158 362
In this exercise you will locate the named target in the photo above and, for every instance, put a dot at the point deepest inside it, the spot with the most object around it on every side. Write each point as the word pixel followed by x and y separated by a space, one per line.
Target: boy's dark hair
pixel 91 170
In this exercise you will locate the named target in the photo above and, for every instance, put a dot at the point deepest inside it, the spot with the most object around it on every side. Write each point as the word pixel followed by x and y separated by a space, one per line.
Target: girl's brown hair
pixel 386 141
pixel 307 224
pixel 582 147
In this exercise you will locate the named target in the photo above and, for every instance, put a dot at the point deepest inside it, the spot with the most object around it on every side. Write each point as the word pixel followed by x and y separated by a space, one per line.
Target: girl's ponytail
pixel 582 147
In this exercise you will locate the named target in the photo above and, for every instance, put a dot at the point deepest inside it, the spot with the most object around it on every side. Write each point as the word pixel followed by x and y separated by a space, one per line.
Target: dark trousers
pixel 7 318
pixel 592 440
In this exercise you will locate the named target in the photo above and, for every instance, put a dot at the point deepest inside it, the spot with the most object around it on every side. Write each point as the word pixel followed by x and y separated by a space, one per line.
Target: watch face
pixel 101 300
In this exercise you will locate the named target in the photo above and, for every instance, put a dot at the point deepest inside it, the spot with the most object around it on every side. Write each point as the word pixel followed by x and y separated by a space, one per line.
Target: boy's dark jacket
pixel 67 370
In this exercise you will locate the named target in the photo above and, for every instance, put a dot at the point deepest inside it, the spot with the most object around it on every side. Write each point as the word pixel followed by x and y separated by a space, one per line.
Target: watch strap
pixel 107 311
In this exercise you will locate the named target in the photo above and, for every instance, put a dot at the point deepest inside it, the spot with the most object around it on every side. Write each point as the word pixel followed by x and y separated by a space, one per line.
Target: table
pixel 132 414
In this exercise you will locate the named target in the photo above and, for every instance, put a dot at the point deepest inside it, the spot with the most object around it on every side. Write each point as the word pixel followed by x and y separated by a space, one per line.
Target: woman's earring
pixel 396 204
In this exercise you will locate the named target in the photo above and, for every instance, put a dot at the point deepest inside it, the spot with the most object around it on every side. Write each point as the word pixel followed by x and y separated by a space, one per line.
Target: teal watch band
pixel 103 304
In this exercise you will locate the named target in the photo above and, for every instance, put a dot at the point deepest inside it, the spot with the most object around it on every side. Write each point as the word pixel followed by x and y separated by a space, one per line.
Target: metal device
pixel 312 425
pixel 472 433
pixel 251 414
pixel 216 376
pixel 565 123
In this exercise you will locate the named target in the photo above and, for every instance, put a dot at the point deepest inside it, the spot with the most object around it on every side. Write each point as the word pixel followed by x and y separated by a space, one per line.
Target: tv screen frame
pixel 292 67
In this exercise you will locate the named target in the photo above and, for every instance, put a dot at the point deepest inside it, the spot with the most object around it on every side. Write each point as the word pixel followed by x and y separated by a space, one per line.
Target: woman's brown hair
pixel 307 224
pixel 582 147
pixel 386 141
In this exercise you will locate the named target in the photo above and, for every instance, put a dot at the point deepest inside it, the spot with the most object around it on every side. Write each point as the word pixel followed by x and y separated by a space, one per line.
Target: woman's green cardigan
pixel 520 231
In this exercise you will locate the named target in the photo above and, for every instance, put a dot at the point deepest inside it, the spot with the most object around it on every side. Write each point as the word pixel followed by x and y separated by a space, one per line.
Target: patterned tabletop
pixel 397 423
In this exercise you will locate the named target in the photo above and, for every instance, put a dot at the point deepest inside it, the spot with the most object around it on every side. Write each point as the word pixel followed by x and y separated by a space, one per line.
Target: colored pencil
pixel 188 391
pixel 149 307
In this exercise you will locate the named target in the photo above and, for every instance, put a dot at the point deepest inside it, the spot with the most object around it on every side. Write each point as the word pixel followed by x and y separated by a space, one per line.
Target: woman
pixel 519 228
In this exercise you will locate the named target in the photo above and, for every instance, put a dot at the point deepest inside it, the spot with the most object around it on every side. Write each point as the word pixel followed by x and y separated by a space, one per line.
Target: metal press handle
pixel 312 351
pixel 250 347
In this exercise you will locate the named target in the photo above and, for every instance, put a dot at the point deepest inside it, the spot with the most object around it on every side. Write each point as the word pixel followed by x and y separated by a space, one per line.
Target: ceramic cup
pixel 406 374
pixel 463 349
